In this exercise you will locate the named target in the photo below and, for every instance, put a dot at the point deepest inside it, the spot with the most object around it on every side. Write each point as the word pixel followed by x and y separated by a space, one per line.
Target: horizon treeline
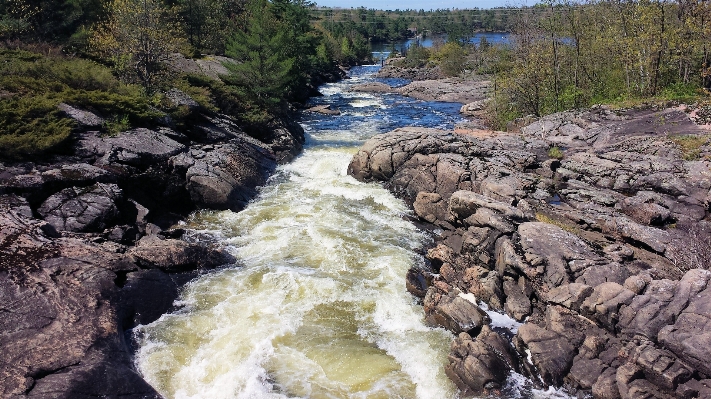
pixel 358 28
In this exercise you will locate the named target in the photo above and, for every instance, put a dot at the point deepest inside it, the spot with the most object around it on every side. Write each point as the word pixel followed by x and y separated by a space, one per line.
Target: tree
pixel 263 66
pixel 137 39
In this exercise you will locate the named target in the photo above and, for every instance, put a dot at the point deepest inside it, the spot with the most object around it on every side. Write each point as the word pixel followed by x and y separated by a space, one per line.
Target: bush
pixel 416 57
pixel 34 85
pixel 31 125
pixel 555 152
pixel 451 58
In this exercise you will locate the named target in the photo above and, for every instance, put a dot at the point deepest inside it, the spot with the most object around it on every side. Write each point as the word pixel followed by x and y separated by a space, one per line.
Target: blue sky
pixel 418 4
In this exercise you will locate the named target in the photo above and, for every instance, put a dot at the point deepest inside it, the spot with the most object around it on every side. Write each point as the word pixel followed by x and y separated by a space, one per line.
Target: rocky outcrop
pixel 86 252
pixel 392 70
pixel 457 90
pixel 586 251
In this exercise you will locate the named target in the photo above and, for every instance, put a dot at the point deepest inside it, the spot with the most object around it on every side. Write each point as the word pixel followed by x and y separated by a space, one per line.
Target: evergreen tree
pixel 264 67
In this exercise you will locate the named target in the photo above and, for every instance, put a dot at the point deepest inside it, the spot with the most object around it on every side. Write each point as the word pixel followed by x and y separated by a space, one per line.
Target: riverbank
pixel 91 243
pixel 590 228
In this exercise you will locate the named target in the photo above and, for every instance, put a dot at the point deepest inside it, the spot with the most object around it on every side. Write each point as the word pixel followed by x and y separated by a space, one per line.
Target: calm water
pixel 385 48
pixel 316 306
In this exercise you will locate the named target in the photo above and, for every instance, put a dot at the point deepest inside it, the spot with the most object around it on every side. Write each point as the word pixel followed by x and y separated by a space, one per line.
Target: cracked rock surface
pixel 602 253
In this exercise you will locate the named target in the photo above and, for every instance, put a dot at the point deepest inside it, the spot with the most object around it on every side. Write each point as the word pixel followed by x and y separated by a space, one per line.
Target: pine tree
pixel 263 65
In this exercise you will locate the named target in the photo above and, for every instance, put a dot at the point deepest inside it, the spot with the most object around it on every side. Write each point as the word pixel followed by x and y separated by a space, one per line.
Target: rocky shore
pixel 88 247
pixel 591 228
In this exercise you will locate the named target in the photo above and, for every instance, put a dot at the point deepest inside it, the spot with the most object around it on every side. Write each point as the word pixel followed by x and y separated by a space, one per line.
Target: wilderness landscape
pixel 266 199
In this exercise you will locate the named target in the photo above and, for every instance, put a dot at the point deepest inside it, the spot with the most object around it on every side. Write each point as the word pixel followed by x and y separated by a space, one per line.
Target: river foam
pixel 317 306
pixel 318 310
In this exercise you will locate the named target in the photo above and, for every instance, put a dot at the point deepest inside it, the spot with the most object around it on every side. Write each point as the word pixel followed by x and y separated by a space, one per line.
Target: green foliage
pixel 570 55
pixel 555 152
pixel 415 57
pixel 31 125
pixel 116 125
pixel 33 85
pixel 263 68
pixel 137 40
pixel 451 58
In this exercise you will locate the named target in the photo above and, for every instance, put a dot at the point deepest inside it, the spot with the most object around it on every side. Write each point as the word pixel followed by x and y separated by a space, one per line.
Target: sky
pixel 418 4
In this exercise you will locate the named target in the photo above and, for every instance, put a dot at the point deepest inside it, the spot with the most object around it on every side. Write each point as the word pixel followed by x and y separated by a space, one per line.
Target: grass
pixel 690 145
pixel 570 228
pixel 555 152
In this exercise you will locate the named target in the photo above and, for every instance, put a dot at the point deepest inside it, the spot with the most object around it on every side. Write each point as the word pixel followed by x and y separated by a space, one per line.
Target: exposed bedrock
pixel 87 251
pixel 601 254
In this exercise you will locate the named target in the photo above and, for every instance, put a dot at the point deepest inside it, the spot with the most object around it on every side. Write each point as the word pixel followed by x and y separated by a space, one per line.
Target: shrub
pixel 31 125
pixel 555 152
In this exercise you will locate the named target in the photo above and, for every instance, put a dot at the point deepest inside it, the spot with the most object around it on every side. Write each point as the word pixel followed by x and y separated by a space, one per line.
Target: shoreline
pixel 551 243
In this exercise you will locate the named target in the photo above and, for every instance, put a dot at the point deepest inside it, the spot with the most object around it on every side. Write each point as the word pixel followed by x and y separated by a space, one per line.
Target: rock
pixel 473 109
pixel 463 204
pixel 430 207
pixel 324 109
pixel 450 90
pixel 585 372
pixel 457 313
pixel 642 210
pixel 660 367
pixel 178 98
pixel 604 304
pixel 606 385
pixel 417 281
pixel 563 254
pixel 517 303
pixel 61 338
pixel 138 147
pixel 548 351
pixel 90 209
pixel 146 295
pixel 85 119
pixel 373 87
pixel 596 275
pixel 570 296
pixel 485 285
pixel 661 304
pixel 227 176
pixel 689 337
pixel 481 364
pixel 176 255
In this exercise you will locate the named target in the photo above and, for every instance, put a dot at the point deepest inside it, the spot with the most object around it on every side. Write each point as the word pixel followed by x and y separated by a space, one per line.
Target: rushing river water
pixel 316 306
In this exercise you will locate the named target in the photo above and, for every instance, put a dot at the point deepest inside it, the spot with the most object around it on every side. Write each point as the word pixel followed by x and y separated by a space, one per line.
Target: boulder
pixel 570 296
pixel 84 119
pixel 604 304
pixel 90 209
pixel 689 337
pixel 138 147
pixel 457 313
pixel 176 255
pixel 225 176
pixel 481 364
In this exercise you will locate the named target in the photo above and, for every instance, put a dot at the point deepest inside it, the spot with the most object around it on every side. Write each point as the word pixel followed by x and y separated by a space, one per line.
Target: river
pixel 316 306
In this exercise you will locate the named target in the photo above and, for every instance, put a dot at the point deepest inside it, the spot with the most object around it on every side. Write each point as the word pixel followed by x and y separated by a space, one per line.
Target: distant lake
pixel 491 37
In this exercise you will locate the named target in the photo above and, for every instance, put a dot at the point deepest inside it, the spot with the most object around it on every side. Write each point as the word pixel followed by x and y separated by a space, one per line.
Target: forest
pixel 111 56
pixel 114 58
pixel 567 55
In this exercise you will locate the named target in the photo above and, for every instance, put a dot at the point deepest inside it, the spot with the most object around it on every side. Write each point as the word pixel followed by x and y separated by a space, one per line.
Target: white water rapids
pixel 317 306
